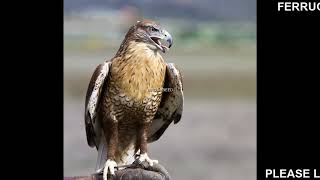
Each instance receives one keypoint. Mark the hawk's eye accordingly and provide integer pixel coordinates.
(153, 29)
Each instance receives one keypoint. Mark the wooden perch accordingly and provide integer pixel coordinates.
(157, 172)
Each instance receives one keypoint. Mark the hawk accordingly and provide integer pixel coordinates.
(132, 98)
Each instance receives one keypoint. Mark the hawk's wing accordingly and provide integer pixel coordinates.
(171, 105)
(93, 130)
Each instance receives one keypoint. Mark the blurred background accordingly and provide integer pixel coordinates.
(214, 46)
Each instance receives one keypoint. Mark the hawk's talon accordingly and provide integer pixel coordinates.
(109, 165)
(144, 157)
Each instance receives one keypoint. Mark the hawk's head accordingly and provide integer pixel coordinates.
(151, 33)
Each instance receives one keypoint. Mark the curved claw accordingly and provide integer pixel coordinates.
(145, 157)
(145, 165)
(109, 165)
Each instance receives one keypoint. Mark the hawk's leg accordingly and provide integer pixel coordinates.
(112, 142)
(142, 143)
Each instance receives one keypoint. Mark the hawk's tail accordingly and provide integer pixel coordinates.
(124, 155)
(102, 151)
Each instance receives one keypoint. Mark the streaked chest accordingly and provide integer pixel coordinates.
(139, 72)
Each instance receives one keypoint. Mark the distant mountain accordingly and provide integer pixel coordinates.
(233, 10)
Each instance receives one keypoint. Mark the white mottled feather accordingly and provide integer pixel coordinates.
(93, 102)
(92, 105)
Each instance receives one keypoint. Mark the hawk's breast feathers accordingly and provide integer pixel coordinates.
(170, 108)
(139, 71)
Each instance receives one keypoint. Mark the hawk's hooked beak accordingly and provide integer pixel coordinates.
(163, 35)
(168, 38)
